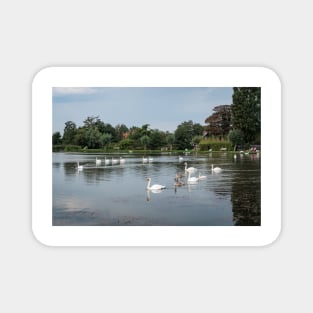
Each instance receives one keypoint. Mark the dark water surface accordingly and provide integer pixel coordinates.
(116, 194)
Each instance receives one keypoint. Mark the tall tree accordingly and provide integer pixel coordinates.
(145, 140)
(56, 138)
(91, 132)
(121, 131)
(219, 123)
(158, 139)
(105, 139)
(183, 135)
(246, 112)
(69, 132)
(170, 139)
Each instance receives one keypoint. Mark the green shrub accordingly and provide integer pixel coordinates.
(58, 148)
(72, 148)
(205, 145)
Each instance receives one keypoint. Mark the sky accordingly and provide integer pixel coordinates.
(164, 108)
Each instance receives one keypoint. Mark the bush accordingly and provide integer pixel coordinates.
(72, 148)
(58, 148)
(206, 145)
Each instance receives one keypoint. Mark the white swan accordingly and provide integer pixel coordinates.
(180, 158)
(150, 159)
(144, 160)
(216, 169)
(79, 167)
(114, 161)
(201, 176)
(98, 162)
(154, 187)
(192, 179)
(106, 161)
(122, 161)
(189, 169)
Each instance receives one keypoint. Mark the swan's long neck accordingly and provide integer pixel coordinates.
(212, 167)
(148, 185)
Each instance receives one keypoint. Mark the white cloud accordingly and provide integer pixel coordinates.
(73, 90)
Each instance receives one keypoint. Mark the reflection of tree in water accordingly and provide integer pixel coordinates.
(246, 200)
(70, 168)
(222, 192)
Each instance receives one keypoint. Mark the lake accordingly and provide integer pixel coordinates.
(116, 195)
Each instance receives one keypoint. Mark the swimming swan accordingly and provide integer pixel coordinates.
(80, 167)
(189, 169)
(216, 169)
(98, 162)
(202, 176)
(192, 179)
(106, 161)
(154, 187)
(114, 161)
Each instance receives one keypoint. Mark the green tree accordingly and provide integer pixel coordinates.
(196, 140)
(197, 129)
(105, 139)
(145, 140)
(69, 132)
(126, 144)
(145, 130)
(236, 138)
(157, 139)
(170, 139)
(246, 112)
(109, 129)
(80, 138)
(121, 130)
(93, 136)
(91, 121)
(183, 135)
(56, 138)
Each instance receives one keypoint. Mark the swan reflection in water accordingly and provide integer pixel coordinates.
(153, 191)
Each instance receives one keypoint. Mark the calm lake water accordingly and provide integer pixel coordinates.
(116, 194)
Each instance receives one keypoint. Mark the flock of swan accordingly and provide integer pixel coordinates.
(190, 179)
(106, 161)
(178, 179)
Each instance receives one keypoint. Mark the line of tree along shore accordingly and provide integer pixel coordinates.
(229, 126)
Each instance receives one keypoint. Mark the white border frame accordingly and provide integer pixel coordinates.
(156, 235)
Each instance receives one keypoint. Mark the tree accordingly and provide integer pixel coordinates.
(80, 138)
(219, 123)
(246, 112)
(157, 139)
(197, 129)
(121, 131)
(91, 121)
(125, 144)
(56, 138)
(170, 139)
(69, 132)
(109, 129)
(236, 138)
(105, 139)
(196, 140)
(145, 141)
(183, 135)
(92, 136)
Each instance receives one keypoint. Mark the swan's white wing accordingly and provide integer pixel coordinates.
(156, 186)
